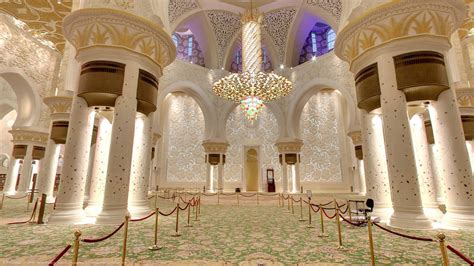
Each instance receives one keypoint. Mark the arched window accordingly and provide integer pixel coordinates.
(190, 45)
(187, 48)
(175, 40)
(320, 41)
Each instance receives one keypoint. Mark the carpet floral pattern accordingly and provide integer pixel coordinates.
(225, 235)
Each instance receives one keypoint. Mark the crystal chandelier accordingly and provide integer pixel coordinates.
(253, 87)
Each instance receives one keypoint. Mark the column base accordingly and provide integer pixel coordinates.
(383, 213)
(409, 219)
(67, 214)
(50, 199)
(459, 217)
(139, 209)
(9, 193)
(112, 215)
(433, 213)
(93, 209)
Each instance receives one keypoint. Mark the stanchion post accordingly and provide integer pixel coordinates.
(177, 221)
(338, 223)
(442, 246)
(156, 199)
(218, 197)
(301, 210)
(309, 214)
(189, 216)
(349, 210)
(257, 197)
(75, 256)
(292, 208)
(279, 198)
(199, 205)
(288, 202)
(1, 203)
(322, 234)
(28, 202)
(371, 241)
(125, 237)
(282, 200)
(238, 197)
(41, 209)
(155, 242)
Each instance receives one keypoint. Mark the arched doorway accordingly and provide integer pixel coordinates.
(251, 169)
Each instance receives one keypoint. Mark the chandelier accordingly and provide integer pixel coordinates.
(253, 87)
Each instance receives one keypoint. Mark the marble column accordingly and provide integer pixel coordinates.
(297, 175)
(99, 167)
(455, 164)
(440, 184)
(141, 161)
(284, 174)
(405, 190)
(375, 164)
(209, 180)
(114, 207)
(12, 176)
(220, 173)
(26, 171)
(424, 169)
(361, 176)
(47, 172)
(70, 196)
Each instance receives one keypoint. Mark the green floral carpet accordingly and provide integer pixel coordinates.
(226, 234)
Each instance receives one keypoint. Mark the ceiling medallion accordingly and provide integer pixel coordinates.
(253, 87)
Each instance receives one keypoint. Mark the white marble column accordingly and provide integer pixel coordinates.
(454, 164)
(424, 169)
(70, 196)
(26, 171)
(361, 176)
(375, 164)
(89, 174)
(405, 190)
(99, 167)
(47, 172)
(297, 175)
(209, 181)
(220, 173)
(470, 151)
(284, 176)
(12, 176)
(114, 208)
(440, 184)
(141, 159)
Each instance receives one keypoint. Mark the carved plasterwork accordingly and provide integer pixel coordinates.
(22, 136)
(43, 17)
(356, 137)
(333, 7)
(225, 25)
(289, 146)
(108, 27)
(467, 28)
(465, 97)
(277, 24)
(215, 147)
(176, 8)
(58, 104)
(395, 20)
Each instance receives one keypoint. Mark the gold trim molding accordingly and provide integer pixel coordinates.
(465, 97)
(23, 136)
(58, 104)
(356, 137)
(215, 147)
(89, 27)
(399, 19)
(289, 146)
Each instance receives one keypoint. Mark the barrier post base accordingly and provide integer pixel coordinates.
(176, 235)
(302, 220)
(310, 226)
(154, 247)
(323, 235)
(188, 225)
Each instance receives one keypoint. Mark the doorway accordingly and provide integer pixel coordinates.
(251, 169)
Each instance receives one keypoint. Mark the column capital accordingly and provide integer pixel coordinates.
(215, 146)
(398, 20)
(289, 145)
(356, 137)
(29, 137)
(59, 107)
(110, 28)
(155, 138)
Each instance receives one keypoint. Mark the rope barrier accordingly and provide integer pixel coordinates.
(22, 197)
(168, 214)
(325, 204)
(343, 212)
(228, 194)
(351, 223)
(403, 235)
(143, 218)
(312, 207)
(90, 240)
(248, 196)
(60, 255)
(460, 255)
(187, 205)
(209, 194)
(329, 217)
(296, 201)
(33, 212)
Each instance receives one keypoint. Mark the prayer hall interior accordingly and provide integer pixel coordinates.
(236, 132)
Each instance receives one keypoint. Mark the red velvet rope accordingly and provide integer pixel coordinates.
(228, 194)
(285, 198)
(462, 256)
(329, 217)
(168, 214)
(60, 255)
(269, 195)
(143, 218)
(296, 200)
(307, 202)
(312, 207)
(187, 205)
(325, 204)
(89, 240)
(209, 194)
(351, 223)
(248, 196)
(31, 217)
(343, 212)
(152, 196)
(22, 197)
(161, 197)
(403, 235)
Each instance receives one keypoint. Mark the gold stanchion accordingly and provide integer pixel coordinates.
(309, 214)
(288, 203)
(322, 234)
(218, 193)
(292, 208)
(177, 221)
(349, 210)
(279, 199)
(301, 210)
(189, 217)
(257, 198)
(371, 240)
(1, 203)
(156, 199)
(155, 245)
(75, 256)
(442, 246)
(238, 198)
(125, 237)
(338, 224)
(282, 200)
(28, 202)
(199, 205)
